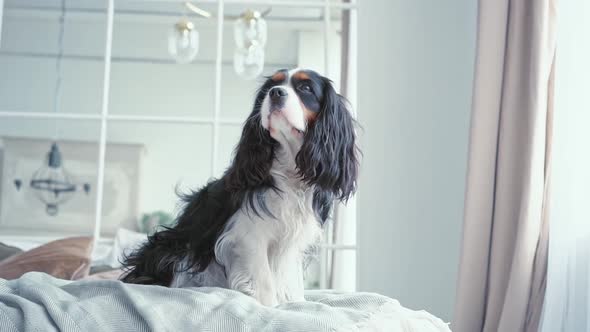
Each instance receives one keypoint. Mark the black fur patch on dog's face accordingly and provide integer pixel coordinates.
(309, 87)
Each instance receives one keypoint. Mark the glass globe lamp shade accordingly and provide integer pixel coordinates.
(250, 29)
(51, 183)
(249, 62)
(183, 42)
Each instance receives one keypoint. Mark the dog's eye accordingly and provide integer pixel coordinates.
(304, 87)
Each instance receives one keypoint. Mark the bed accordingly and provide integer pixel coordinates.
(39, 302)
(70, 297)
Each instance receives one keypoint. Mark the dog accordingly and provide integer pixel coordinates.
(251, 229)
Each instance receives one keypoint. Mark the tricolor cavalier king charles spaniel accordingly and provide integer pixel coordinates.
(251, 229)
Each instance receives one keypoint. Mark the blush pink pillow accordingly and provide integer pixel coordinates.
(68, 258)
(107, 275)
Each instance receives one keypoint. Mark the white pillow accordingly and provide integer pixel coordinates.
(125, 242)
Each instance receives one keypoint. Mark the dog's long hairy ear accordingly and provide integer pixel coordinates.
(253, 155)
(328, 158)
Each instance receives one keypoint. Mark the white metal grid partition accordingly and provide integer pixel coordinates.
(104, 118)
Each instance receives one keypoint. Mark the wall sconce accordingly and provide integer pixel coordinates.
(183, 38)
(250, 33)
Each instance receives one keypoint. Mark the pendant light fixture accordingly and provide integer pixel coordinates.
(183, 38)
(250, 33)
(183, 41)
(52, 183)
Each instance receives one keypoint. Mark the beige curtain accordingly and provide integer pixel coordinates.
(504, 252)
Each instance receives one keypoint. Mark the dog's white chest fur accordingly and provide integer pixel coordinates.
(260, 255)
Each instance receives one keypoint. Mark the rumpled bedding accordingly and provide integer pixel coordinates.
(39, 302)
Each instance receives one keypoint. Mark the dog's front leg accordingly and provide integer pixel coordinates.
(289, 279)
(247, 269)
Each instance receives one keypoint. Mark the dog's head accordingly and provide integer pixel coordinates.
(299, 111)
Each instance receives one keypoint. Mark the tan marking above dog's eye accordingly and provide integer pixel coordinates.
(301, 75)
(278, 76)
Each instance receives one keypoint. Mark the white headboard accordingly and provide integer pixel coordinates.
(22, 213)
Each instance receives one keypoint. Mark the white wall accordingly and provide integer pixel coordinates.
(415, 71)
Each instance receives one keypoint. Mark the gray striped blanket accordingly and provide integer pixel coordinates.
(39, 302)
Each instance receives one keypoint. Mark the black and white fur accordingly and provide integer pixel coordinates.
(249, 230)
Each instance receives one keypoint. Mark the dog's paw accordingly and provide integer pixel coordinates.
(246, 287)
(267, 298)
(262, 291)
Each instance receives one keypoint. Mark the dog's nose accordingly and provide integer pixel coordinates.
(277, 94)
